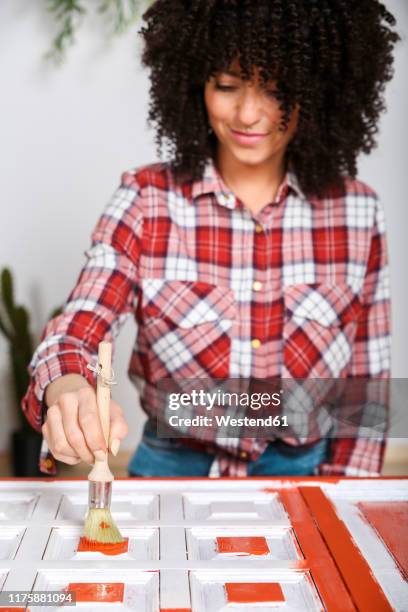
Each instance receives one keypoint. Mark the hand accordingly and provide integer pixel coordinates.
(72, 428)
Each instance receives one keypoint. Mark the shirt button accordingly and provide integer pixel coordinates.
(258, 228)
(226, 199)
(256, 343)
(257, 286)
(243, 454)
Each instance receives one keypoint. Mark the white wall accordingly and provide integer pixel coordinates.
(67, 133)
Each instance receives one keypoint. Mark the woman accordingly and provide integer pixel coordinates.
(253, 252)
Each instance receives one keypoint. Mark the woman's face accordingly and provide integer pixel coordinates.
(246, 117)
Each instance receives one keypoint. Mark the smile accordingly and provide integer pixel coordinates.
(246, 138)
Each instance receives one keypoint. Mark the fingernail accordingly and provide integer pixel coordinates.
(115, 446)
(100, 455)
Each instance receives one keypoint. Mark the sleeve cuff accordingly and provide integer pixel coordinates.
(33, 403)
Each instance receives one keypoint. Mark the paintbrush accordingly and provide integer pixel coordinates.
(99, 526)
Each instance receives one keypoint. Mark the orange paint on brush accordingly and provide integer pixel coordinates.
(106, 592)
(13, 609)
(175, 609)
(390, 520)
(254, 592)
(107, 548)
(104, 525)
(244, 545)
(364, 588)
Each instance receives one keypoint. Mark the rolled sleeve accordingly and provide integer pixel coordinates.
(101, 301)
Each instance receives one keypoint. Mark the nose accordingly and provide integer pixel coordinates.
(249, 107)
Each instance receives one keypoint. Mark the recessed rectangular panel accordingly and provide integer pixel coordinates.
(16, 506)
(233, 544)
(234, 506)
(143, 544)
(104, 588)
(124, 507)
(10, 538)
(352, 501)
(216, 591)
(390, 521)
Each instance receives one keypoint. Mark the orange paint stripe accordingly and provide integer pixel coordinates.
(247, 545)
(108, 592)
(254, 592)
(390, 520)
(319, 561)
(357, 575)
(118, 548)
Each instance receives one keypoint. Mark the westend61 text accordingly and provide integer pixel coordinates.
(228, 421)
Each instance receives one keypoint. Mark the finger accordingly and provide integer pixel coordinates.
(118, 429)
(57, 441)
(72, 430)
(88, 419)
(67, 459)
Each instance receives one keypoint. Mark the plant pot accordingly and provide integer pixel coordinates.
(26, 445)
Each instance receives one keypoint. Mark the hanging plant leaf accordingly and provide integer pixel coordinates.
(69, 15)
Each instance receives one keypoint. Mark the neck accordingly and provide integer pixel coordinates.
(264, 177)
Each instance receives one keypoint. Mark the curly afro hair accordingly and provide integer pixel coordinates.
(332, 57)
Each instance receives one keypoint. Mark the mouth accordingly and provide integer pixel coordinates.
(246, 138)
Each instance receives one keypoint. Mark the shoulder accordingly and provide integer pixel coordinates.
(357, 202)
(364, 204)
(354, 187)
(351, 188)
(157, 176)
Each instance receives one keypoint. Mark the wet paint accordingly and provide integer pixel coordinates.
(242, 545)
(320, 563)
(390, 521)
(106, 592)
(104, 525)
(254, 592)
(106, 548)
(175, 609)
(364, 588)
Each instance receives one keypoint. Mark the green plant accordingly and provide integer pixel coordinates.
(15, 327)
(69, 14)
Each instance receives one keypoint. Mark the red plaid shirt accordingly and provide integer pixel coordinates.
(299, 289)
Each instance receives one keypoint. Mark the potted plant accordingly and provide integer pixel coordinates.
(15, 327)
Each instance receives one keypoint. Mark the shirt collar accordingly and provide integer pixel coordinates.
(212, 182)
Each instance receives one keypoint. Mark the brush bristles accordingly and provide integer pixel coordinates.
(100, 527)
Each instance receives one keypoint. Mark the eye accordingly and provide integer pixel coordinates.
(222, 87)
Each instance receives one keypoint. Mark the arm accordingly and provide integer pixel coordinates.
(101, 300)
(370, 359)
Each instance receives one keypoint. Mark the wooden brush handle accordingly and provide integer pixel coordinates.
(100, 471)
(103, 391)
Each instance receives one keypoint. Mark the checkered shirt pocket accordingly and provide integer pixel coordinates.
(187, 327)
(319, 329)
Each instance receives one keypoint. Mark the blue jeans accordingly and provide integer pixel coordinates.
(166, 457)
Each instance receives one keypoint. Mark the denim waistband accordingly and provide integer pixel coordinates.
(150, 433)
